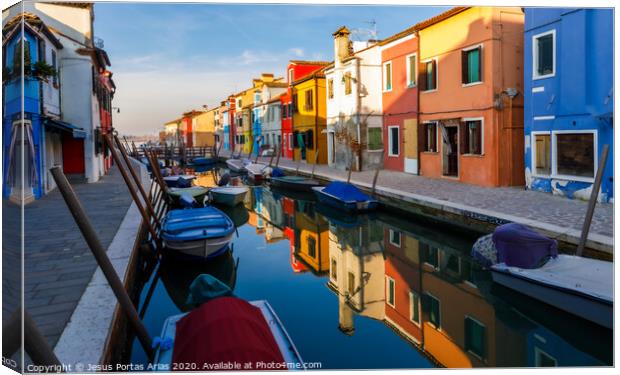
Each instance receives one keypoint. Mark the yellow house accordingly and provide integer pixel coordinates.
(171, 130)
(312, 248)
(204, 128)
(309, 118)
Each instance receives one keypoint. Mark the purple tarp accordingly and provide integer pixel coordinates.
(520, 246)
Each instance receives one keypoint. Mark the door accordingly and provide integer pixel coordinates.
(410, 137)
(450, 151)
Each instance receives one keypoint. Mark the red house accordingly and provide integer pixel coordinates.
(295, 70)
(399, 58)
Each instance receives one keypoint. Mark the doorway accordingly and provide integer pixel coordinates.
(450, 150)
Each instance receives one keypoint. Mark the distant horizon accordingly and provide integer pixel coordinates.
(213, 50)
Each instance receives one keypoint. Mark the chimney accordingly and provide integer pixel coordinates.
(341, 45)
(266, 77)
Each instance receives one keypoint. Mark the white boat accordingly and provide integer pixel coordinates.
(163, 355)
(228, 195)
(257, 171)
(580, 286)
(237, 165)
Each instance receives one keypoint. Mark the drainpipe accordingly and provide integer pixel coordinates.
(359, 110)
(316, 122)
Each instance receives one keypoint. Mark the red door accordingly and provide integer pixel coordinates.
(72, 155)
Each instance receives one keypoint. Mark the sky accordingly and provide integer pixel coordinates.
(171, 58)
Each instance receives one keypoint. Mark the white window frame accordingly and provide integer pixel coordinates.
(436, 123)
(290, 75)
(385, 65)
(408, 83)
(533, 135)
(419, 307)
(436, 74)
(554, 150)
(400, 238)
(535, 74)
(387, 291)
(467, 49)
(390, 140)
(481, 119)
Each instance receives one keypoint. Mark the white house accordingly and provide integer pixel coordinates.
(354, 109)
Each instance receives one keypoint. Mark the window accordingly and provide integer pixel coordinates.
(412, 70)
(290, 76)
(428, 77)
(393, 141)
(544, 55)
(290, 109)
(434, 311)
(312, 247)
(309, 140)
(295, 108)
(574, 154)
(41, 51)
(351, 283)
(347, 83)
(543, 359)
(391, 292)
(471, 137)
(541, 154)
(387, 76)
(55, 66)
(395, 237)
(429, 137)
(375, 139)
(308, 104)
(330, 88)
(430, 255)
(471, 65)
(475, 337)
(414, 307)
(284, 111)
(334, 269)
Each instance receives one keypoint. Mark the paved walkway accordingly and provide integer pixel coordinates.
(58, 262)
(549, 212)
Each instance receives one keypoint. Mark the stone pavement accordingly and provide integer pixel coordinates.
(551, 214)
(58, 262)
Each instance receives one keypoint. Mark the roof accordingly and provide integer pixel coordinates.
(319, 73)
(342, 31)
(34, 23)
(440, 17)
(276, 84)
(275, 99)
(308, 62)
(175, 121)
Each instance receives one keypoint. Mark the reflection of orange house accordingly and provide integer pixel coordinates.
(471, 122)
(295, 264)
(312, 233)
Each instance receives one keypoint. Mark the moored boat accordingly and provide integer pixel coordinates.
(198, 193)
(295, 183)
(257, 171)
(181, 181)
(237, 165)
(345, 196)
(529, 263)
(228, 195)
(200, 232)
(204, 161)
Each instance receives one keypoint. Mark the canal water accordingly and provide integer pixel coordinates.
(375, 291)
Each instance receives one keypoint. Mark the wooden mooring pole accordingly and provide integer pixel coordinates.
(90, 235)
(279, 152)
(592, 202)
(316, 159)
(374, 181)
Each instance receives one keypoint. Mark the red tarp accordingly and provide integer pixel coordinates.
(226, 330)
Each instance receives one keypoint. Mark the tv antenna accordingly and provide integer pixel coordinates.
(365, 34)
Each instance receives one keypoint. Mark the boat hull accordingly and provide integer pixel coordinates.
(236, 165)
(204, 248)
(227, 199)
(305, 184)
(348, 206)
(585, 306)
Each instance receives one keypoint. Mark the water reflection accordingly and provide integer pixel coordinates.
(401, 292)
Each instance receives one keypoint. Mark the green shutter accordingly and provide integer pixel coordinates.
(374, 139)
(473, 66)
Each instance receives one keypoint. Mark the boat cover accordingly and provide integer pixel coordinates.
(206, 287)
(520, 246)
(225, 330)
(277, 172)
(196, 224)
(345, 192)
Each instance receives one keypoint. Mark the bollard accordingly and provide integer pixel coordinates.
(88, 231)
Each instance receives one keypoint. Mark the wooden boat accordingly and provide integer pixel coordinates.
(237, 165)
(228, 195)
(198, 193)
(345, 196)
(529, 263)
(183, 180)
(190, 337)
(199, 232)
(298, 183)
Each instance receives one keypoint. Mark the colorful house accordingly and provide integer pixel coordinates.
(354, 114)
(172, 132)
(295, 70)
(399, 60)
(309, 122)
(471, 96)
(232, 126)
(203, 126)
(186, 128)
(568, 100)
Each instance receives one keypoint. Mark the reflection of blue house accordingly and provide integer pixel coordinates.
(568, 99)
(226, 127)
(546, 349)
(256, 123)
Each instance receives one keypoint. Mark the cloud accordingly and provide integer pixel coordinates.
(299, 52)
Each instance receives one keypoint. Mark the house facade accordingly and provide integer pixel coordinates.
(399, 64)
(471, 101)
(568, 102)
(309, 122)
(354, 100)
(203, 125)
(272, 123)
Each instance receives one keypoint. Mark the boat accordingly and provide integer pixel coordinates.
(224, 330)
(183, 180)
(527, 262)
(237, 165)
(204, 161)
(198, 193)
(257, 171)
(228, 195)
(345, 196)
(298, 183)
(200, 232)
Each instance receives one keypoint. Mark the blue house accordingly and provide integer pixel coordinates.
(257, 124)
(568, 100)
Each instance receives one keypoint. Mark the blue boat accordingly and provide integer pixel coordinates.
(200, 232)
(203, 161)
(345, 196)
(179, 181)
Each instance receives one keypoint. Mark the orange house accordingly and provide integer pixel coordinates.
(470, 82)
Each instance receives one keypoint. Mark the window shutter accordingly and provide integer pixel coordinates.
(463, 138)
(464, 67)
(422, 137)
(434, 65)
(422, 77)
(42, 50)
